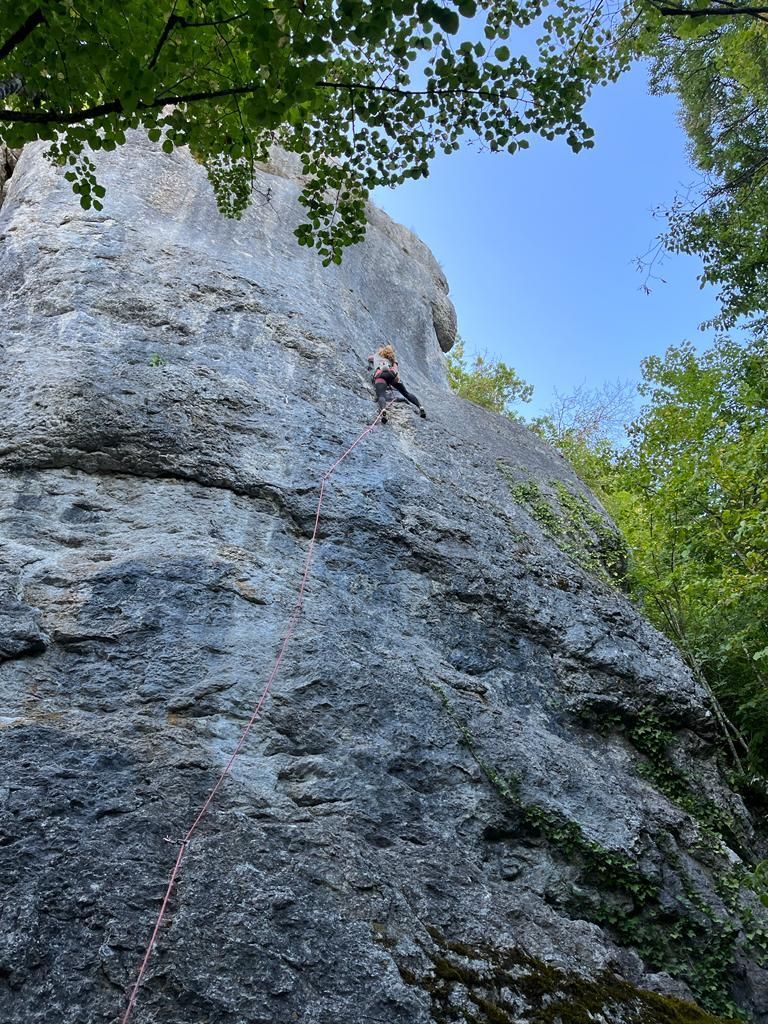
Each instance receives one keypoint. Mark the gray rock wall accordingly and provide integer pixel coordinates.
(457, 805)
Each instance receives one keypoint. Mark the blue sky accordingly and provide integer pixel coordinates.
(538, 247)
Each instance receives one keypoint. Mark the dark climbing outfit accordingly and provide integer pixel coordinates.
(388, 377)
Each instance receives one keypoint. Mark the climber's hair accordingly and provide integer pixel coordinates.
(388, 353)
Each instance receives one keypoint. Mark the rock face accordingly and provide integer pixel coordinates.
(483, 789)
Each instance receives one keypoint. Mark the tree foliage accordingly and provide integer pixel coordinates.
(487, 382)
(718, 69)
(367, 92)
(699, 523)
(586, 426)
(689, 492)
(687, 483)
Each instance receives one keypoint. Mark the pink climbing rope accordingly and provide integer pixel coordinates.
(292, 622)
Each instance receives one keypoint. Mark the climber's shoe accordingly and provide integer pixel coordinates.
(423, 413)
(384, 417)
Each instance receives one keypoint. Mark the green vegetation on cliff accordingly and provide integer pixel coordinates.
(689, 493)
(662, 914)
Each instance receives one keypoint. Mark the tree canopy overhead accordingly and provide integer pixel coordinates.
(366, 91)
(717, 66)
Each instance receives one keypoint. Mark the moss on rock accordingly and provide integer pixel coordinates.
(482, 984)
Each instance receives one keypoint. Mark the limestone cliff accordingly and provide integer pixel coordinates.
(484, 790)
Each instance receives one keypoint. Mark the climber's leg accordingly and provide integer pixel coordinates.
(399, 386)
(380, 387)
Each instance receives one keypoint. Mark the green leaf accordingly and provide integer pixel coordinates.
(447, 20)
(297, 74)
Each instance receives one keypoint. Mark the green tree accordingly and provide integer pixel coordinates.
(687, 486)
(588, 426)
(365, 91)
(693, 507)
(486, 382)
(718, 69)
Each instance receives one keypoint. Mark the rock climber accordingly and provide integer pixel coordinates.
(386, 375)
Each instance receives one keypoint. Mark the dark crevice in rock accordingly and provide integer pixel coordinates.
(30, 649)
(8, 160)
(20, 634)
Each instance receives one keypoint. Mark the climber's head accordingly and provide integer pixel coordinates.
(388, 353)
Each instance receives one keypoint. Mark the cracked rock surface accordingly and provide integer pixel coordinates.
(439, 812)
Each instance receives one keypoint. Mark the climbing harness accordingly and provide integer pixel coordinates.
(388, 374)
(292, 623)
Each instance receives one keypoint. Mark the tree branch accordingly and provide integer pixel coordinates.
(412, 92)
(173, 19)
(725, 11)
(742, 178)
(63, 117)
(183, 23)
(36, 18)
(176, 21)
